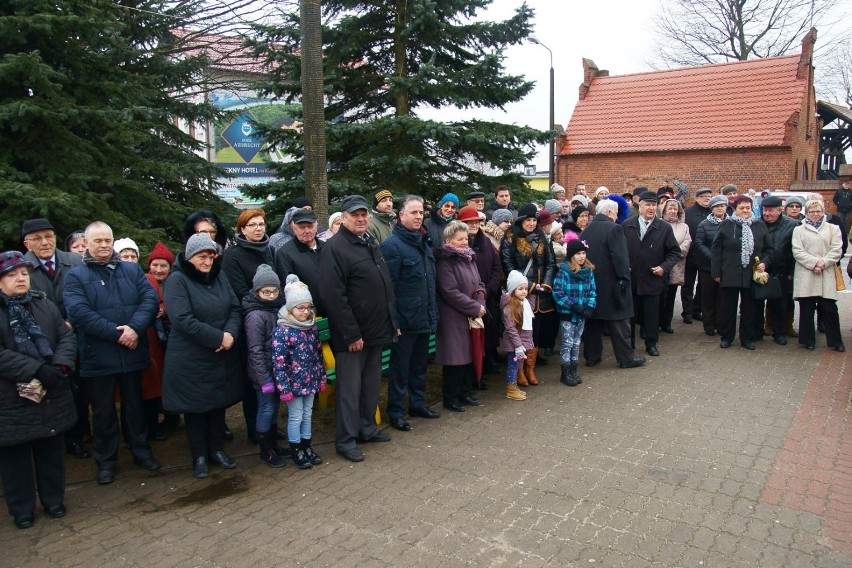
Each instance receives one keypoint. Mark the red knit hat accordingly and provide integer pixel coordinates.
(161, 252)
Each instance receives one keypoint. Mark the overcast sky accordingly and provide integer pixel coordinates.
(615, 34)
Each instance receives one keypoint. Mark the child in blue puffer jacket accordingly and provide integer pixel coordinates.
(575, 297)
(298, 367)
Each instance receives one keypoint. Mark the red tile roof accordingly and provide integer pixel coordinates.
(729, 105)
(225, 52)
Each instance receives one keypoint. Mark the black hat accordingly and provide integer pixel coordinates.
(648, 196)
(303, 216)
(573, 247)
(577, 211)
(526, 210)
(352, 203)
(33, 225)
(771, 201)
(302, 202)
(474, 195)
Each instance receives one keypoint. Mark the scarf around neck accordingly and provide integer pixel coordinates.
(26, 333)
(286, 319)
(815, 224)
(111, 263)
(747, 242)
(715, 220)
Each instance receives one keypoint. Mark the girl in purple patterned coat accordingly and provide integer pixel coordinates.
(298, 367)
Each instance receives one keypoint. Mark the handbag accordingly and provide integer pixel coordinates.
(838, 278)
(769, 291)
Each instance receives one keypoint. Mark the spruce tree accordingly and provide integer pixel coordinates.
(384, 63)
(90, 94)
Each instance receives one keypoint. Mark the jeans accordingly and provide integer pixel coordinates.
(267, 410)
(572, 333)
(299, 412)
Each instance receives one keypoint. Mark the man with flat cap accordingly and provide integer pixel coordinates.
(357, 291)
(382, 217)
(476, 199)
(48, 276)
(731, 192)
(780, 238)
(653, 251)
(691, 302)
(300, 256)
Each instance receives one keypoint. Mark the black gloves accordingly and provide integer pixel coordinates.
(49, 376)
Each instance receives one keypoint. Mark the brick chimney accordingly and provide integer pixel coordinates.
(806, 58)
(590, 71)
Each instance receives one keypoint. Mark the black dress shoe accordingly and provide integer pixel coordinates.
(593, 362)
(653, 351)
(455, 407)
(470, 401)
(780, 339)
(199, 468)
(400, 424)
(148, 463)
(378, 437)
(724, 344)
(667, 329)
(748, 345)
(56, 511)
(424, 412)
(634, 362)
(840, 348)
(809, 346)
(687, 320)
(24, 521)
(106, 476)
(77, 450)
(353, 455)
(223, 459)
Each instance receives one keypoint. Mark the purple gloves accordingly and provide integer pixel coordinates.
(268, 388)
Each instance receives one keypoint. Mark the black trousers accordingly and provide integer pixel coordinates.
(778, 308)
(25, 467)
(710, 297)
(726, 319)
(81, 404)
(457, 383)
(409, 358)
(206, 431)
(545, 329)
(619, 335)
(667, 302)
(647, 315)
(101, 392)
(691, 302)
(827, 310)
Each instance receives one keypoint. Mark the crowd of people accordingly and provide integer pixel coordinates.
(225, 320)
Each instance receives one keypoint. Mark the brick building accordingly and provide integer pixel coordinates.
(752, 123)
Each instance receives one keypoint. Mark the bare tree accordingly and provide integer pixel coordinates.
(836, 76)
(698, 32)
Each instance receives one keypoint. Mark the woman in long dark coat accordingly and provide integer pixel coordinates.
(704, 235)
(525, 248)
(35, 343)
(203, 375)
(457, 284)
(740, 239)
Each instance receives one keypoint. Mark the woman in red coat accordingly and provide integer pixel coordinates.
(457, 284)
(160, 263)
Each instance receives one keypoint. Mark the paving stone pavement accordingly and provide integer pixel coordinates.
(702, 458)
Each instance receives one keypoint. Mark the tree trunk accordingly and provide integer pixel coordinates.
(313, 108)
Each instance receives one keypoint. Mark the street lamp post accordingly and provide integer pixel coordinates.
(551, 164)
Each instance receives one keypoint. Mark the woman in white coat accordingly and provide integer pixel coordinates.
(817, 247)
(673, 214)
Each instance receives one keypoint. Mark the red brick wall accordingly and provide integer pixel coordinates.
(758, 168)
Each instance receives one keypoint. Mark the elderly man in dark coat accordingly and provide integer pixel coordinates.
(408, 254)
(51, 265)
(691, 302)
(780, 237)
(111, 305)
(358, 294)
(608, 252)
(653, 251)
(300, 255)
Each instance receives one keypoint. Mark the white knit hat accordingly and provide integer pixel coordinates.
(125, 243)
(296, 293)
(514, 280)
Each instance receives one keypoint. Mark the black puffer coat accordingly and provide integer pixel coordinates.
(516, 250)
(201, 307)
(22, 420)
(240, 262)
(703, 243)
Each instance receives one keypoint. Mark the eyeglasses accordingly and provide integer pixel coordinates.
(303, 308)
(812, 211)
(269, 293)
(211, 232)
(254, 226)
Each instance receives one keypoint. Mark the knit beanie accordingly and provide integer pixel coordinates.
(501, 215)
(556, 188)
(296, 293)
(449, 197)
(199, 242)
(717, 200)
(577, 211)
(265, 277)
(582, 199)
(601, 189)
(795, 199)
(161, 252)
(381, 195)
(573, 247)
(125, 243)
(301, 202)
(514, 280)
(526, 211)
(554, 207)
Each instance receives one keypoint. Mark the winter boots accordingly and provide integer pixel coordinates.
(570, 377)
(299, 457)
(522, 376)
(514, 393)
(309, 452)
(529, 366)
(268, 455)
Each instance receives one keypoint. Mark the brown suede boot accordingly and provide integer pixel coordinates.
(529, 366)
(522, 376)
(790, 331)
(514, 393)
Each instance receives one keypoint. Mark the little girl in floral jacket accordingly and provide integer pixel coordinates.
(298, 367)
